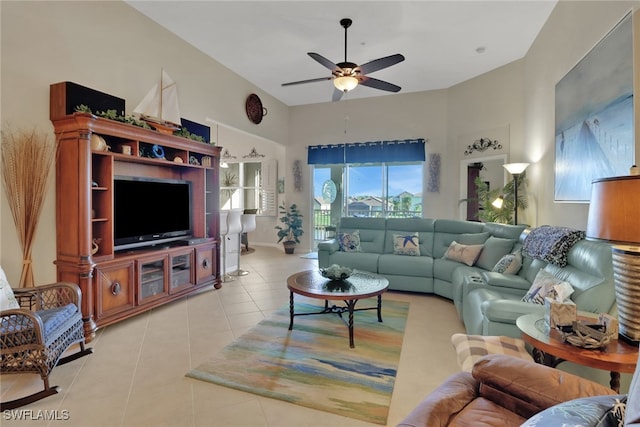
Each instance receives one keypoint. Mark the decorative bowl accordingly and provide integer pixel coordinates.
(336, 272)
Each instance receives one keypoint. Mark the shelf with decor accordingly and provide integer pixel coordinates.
(119, 280)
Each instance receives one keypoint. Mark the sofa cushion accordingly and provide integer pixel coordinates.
(494, 249)
(372, 232)
(54, 317)
(541, 386)
(349, 242)
(547, 285)
(466, 254)
(7, 298)
(406, 244)
(596, 411)
(470, 348)
(447, 230)
(360, 260)
(509, 264)
(422, 226)
(402, 265)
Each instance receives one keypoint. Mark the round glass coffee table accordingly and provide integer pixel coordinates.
(360, 285)
(550, 349)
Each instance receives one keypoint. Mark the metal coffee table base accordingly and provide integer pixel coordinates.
(348, 308)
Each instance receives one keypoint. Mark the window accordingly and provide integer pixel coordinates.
(384, 190)
(249, 185)
(373, 179)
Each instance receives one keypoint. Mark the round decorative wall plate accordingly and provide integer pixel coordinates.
(329, 191)
(255, 110)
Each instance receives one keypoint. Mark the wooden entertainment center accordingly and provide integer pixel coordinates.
(119, 284)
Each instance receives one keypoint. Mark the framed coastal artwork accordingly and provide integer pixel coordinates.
(594, 116)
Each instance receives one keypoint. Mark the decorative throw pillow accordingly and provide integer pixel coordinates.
(472, 238)
(470, 348)
(599, 411)
(7, 299)
(349, 242)
(546, 285)
(467, 254)
(509, 264)
(406, 244)
(494, 249)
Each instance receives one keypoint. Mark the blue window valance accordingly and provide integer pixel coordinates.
(406, 150)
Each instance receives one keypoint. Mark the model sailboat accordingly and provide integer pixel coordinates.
(159, 108)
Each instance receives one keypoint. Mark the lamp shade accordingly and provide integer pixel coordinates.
(515, 168)
(345, 83)
(614, 211)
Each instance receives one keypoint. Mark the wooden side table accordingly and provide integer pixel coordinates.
(550, 350)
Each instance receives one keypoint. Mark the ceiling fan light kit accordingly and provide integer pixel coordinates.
(345, 83)
(347, 75)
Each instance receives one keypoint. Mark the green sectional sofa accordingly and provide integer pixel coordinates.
(487, 302)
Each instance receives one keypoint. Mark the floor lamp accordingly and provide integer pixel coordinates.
(614, 216)
(515, 169)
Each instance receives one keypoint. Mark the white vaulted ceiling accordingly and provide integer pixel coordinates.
(266, 42)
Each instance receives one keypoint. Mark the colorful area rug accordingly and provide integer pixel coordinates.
(312, 365)
(310, 255)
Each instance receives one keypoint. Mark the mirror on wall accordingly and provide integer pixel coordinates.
(490, 170)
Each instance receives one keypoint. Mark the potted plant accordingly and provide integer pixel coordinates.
(504, 215)
(291, 230)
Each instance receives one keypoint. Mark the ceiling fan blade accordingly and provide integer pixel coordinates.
(380, 63)
(322, 60)
(378, 84)
(337, 95)
(319, 79)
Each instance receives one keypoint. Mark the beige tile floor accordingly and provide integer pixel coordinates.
(135, 377)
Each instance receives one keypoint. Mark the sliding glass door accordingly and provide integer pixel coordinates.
(377, 190)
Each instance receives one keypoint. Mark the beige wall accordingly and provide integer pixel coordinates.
(111, 47)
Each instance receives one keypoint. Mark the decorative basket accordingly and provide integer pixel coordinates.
(585, 335)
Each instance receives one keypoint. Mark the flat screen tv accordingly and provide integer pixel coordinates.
(150, 211)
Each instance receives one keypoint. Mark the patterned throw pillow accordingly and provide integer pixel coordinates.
(7, 299)
(470, 348)
(546, 285)
(406, 244)
(467, 254)
(349, 242)
(601, 411)
(509, 264)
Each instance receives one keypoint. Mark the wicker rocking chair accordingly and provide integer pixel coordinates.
(34, 336)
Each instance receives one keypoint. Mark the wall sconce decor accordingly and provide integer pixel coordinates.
(252, 154)
(227, 155)
(482, 144)
(297, 176)
(433, 186)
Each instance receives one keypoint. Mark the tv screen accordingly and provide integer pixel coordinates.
(150, 211)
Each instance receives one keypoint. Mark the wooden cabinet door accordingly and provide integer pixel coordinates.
(206, 263)
(115, 288)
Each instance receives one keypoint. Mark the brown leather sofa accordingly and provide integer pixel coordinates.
(506, 391)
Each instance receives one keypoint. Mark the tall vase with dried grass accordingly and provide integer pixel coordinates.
(27, 160)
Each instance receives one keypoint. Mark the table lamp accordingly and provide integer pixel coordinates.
(614, 216)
